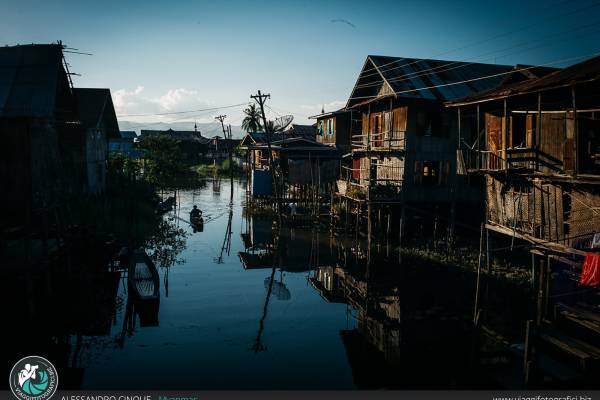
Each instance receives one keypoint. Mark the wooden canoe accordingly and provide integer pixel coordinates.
(143, 278)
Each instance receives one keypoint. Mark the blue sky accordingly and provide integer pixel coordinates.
(159, 56)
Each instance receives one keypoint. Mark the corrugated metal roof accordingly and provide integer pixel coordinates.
(29, 75)
(403, 75)
(329, 114)
(586, 71)
(307, 131)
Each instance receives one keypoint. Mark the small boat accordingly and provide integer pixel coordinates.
(143, 277)
(166, 206)
(196, 220)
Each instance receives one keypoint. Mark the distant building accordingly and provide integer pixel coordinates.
(123, 144)
(218, 147)
(99, 120)
(334, 129)
(300, 160)
(193, 146)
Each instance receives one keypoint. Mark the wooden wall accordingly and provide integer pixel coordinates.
(562, 213)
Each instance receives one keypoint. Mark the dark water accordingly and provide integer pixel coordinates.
(326, 321)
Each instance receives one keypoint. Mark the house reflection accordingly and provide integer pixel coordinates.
(402, 331)
(293, 250)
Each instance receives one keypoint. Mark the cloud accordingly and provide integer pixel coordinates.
(130, 103)
(174, 99)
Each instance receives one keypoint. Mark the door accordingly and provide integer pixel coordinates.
(494, 132)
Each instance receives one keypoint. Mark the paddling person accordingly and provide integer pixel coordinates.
(195, 213)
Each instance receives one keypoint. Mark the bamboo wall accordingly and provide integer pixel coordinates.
(561, 213)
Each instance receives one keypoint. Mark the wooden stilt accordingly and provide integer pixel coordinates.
(478, 284)
(527, 354)
(540, 298)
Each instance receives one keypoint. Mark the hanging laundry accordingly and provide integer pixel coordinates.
(590, 274)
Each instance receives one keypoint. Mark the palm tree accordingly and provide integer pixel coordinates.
(251, 122)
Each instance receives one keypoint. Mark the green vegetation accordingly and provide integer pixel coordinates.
(355, 192)
(251, 122)
(162, 163)
(385, 190)
(213, 169)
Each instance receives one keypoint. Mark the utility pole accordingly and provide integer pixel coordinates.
(227, 137)
(260, 99)
(220, 118)
(230, 165)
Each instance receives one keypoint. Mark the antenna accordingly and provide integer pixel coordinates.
(282, 122)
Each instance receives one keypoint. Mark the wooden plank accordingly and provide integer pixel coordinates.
(539, 242)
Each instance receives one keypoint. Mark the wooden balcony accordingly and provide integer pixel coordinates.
(388, 141)
(515, 159)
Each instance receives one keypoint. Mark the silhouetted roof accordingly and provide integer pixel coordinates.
(586, 71)
(128, 134)
(307, 131)
(30, 76)
(191, 136)
(330, 113)
(95, 106)
(400, 77)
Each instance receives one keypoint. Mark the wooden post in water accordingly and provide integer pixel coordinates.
(547, 286)
(540, 297)
(389, 225)
(528, 353)
(435, 224)
(401, 231)
(347, 214)
(478, 284)
(488, 266)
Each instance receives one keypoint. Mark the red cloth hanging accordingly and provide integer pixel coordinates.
(590, 274)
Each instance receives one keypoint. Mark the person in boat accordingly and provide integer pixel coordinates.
(195, 213)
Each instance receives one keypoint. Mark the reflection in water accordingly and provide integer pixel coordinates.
(307, 297)
(226, 246)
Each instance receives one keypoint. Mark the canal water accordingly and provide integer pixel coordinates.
(321, 319)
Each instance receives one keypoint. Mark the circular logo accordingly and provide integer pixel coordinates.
(33, 377)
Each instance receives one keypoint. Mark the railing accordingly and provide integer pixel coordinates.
(386, 186)
(384, 141)
(472, 160)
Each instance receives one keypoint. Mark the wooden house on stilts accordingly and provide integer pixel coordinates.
(537, 145)
(404, 140)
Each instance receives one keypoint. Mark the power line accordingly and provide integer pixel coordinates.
(481, 77)
(461, 64)
(181, 112)
(379, 69)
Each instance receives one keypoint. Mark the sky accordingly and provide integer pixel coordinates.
(170, 56)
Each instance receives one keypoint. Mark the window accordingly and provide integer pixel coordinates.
(518, 134)
(356, 169)
(321, 128)
(431, 172)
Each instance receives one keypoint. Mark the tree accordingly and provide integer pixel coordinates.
(162, 160)
(251, 122)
